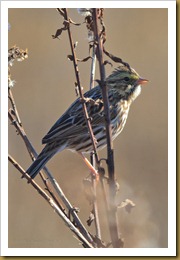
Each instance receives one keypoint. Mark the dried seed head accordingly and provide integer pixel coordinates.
(85, 11)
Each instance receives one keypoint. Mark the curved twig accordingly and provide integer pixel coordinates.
(54, 183)
(51, 202)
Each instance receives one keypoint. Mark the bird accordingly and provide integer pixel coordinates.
(70, 131)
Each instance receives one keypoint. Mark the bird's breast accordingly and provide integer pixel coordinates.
(119, 120)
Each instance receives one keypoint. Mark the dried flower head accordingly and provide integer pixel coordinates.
(15, 53)
(11, 82)
(85, 11)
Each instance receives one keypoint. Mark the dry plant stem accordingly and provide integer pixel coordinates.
(18, 125)
(78, 222)
(22, 133)
(95, 204)
(93, 67)
(32, 152)
(11, 98)
(93, 160)
(56, 186)
(87, 119)
(112, 214)
(51, 203)
(85, 111)
(54, 183)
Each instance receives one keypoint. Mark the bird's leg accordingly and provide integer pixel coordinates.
(89, 165)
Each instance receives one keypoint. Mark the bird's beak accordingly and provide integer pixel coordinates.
(141, 81)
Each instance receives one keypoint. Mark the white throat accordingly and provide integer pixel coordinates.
(136, 93)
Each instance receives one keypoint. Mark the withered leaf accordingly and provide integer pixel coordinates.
(90, 219)
(127, 204)
(108, 62)
(116, 59)
(85, 59)
(70, 57)
(58, 32)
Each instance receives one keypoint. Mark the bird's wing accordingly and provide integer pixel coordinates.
(72, 122)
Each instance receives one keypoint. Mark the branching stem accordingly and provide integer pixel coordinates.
(51, 203)
(33, 154)
(80, 90)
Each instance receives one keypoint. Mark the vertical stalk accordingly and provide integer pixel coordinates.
(95, 205)
(93, 67)
(112, 211)
(92, 156)
(87, 119)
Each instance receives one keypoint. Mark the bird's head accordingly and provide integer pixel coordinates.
(125, 82)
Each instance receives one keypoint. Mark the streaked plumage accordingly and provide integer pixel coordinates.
(71, 132)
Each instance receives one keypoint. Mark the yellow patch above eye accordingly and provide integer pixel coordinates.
(135, 77)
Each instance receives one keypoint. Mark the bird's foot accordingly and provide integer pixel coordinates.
(94, 172)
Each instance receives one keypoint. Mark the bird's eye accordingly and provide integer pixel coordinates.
(126, 79)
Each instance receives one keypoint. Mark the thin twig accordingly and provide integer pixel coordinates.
(11, 98)
(54, 183)
(74, 59)
(112, 216)
(87, 119)
(20, 130)
(93, 161)
(51, 203)
(95, 204)
(31, 150)
(93, 66)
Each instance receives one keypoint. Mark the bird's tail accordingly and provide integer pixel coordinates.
(40, 161)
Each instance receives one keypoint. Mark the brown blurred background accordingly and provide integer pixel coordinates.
(45, 88)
